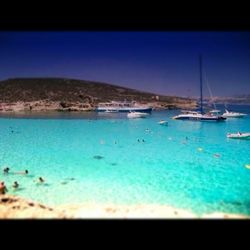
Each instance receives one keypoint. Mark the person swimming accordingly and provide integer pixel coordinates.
(3, 188)
(22, 172)
(6, 170)
(15, 185)
(41, 180)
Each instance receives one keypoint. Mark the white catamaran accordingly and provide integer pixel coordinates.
(200, 116)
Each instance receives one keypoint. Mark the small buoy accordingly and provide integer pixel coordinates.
(200, 149)
(247, 166)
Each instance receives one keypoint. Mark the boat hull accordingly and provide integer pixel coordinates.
(200, 118)
(137, 115)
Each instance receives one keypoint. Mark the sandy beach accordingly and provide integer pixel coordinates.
(13, 207)
(148, 211)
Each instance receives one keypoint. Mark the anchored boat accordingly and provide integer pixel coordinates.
(230, 114)
(200, 116)
(122, 107)
(239, 136)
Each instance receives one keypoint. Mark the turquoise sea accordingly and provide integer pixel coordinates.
(97, 158)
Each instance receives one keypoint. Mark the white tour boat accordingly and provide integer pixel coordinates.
(123, 107)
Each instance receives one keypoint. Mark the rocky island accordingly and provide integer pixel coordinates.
(61, 94)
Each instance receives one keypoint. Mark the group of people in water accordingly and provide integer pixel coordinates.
(3, 188)
(6, 171)
(140, 140)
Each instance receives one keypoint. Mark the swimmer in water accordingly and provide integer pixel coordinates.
(15, 185)
(41, 180)
(6, 170)
(22, 172)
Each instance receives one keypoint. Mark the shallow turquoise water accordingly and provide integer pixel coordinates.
(167, 168)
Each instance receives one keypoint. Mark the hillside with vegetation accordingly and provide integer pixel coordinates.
(75, 95)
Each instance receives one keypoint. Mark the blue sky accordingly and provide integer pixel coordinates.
(161, 62)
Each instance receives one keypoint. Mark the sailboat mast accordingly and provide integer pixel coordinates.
(201, 97)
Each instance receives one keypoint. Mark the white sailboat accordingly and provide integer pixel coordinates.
(200, 116)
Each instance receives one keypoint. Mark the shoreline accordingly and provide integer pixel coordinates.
(56, 106)
(13, 207)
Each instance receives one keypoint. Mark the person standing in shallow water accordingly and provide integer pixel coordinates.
(3, 188)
